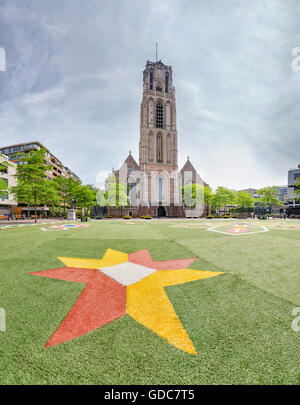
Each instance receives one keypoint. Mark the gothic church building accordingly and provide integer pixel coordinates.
(158, 146)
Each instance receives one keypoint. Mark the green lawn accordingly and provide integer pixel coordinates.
(239, 322)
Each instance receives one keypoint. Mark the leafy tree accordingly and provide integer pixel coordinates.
(193, 195)
(31, 176)
(66, 189)
(50, 196)
(223, 197)
(85, 197)
(269, 196)
(23, 194)
(4, 164)
(196, 194)
(297, 189)
(116, 194)
(208, 195)
(92, 198)
(244, 200)
(3, 187)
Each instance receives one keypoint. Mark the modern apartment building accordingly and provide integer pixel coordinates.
(17, 151)
(7, 203)
(293, 175)
(14, 154)
(252, 192)
(283, 194)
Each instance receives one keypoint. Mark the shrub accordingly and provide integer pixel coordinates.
(126, 217)
(147, 217)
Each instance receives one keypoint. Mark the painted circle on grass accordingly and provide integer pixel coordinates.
(237, 230)
(63, 227)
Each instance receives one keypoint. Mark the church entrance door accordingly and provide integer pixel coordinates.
(161, 211)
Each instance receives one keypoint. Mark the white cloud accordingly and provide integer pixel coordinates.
(74, 82)
(44, 96)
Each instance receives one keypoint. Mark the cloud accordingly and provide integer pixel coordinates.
(43, 96)
(73, 80)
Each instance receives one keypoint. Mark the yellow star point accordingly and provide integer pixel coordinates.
(110, 258)
(148, 304)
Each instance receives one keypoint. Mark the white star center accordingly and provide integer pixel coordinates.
(127, 273)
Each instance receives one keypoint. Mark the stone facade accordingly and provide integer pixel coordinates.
(158, 153)
(158, 132)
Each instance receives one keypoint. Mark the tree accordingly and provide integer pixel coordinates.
(31, 177)
(269, 196)
(193, 195)
(244, 200)
(23, 194)
(223, 197)
(85, 197)
(208, 197)
(4, 164)
(297, 189)
(66, 189)
(116, 193)
(3, 187)
(50, 195)
(196, 195)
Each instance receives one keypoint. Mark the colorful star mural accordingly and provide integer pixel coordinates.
(120, 284)
(63, 227)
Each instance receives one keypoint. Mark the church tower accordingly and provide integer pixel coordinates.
(158, 133)
(155, 181)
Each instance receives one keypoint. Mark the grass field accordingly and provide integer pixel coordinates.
(239, 322)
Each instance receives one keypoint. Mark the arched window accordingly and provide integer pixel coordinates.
(167, 82)
(131, 191)
(151, 79)
(130, 184)
(150, 146)
(129, 169)
(160, 189)
(169, 148)
(159, 115)
(159, 148)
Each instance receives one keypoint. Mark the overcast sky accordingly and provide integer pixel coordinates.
(73, 81)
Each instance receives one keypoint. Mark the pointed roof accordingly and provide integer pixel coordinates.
(188, 167)
(128, 162)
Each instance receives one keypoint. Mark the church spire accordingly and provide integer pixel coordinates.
(158, 133)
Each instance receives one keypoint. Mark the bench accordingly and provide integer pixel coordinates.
(4, 217)
(18, 216)
(34, 216)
